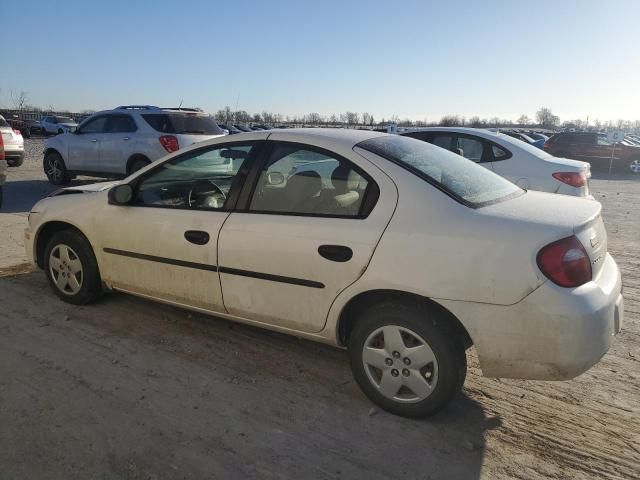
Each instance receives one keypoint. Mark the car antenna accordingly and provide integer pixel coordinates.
(179, 106)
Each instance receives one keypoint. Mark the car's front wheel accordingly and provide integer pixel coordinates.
(406, 359)
(71, 268)
(634, 166)
(55, 169)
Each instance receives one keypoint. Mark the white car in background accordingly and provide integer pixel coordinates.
(55, 124)
(518, 161)
(13, 144)
(118, 142)
(402, 252)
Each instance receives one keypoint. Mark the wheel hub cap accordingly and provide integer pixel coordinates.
(400, 364)
(635, 166)
(66, 269)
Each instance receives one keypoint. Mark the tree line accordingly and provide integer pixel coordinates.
(543, 118)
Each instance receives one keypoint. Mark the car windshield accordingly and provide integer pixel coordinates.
(183, 123)
(463, 179)
(64, 120)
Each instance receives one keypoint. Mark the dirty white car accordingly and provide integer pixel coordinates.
(400, 251)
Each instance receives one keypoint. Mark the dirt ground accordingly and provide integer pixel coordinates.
(127, 389)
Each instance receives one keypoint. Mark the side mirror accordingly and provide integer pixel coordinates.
(120, 194)
(275, 178)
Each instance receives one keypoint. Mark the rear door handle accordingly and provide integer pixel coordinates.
(197, 236)
(335, 253)
(94, 140)
(125, 138)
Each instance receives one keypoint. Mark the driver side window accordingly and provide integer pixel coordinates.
(200, 180)
(97, 125)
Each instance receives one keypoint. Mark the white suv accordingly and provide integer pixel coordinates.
(117, 142)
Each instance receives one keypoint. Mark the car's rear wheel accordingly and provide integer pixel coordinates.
(55, 169)
(634, 166)
(15, 162)
(406, 359)
(136, 164)
(26, 132)
(71, 268)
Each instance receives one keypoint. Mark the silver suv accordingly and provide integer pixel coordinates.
(116, 143)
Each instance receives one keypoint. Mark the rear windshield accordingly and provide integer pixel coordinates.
(463, 179)
(181, 123)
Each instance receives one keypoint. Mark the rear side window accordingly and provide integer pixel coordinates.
(462, 179)
(121, 124)
(183, 123)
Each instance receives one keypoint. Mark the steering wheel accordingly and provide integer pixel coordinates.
(205, 193)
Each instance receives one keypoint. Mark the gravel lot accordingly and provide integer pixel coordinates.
(129, 389)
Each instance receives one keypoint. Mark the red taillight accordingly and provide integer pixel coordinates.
(17, 132)
(1, 148)
(565, 262)
(169, 142)
(575, 179)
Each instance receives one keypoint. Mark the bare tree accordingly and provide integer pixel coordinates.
(450, 121)
(367, 118)
(523, 120)
(19, 99)
(314, 118)
(546, 118)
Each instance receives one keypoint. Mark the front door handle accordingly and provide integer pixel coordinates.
(197, 236)
(335, 253)
(94, 140)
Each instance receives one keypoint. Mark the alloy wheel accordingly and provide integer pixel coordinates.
(634, 166)
(65, 268)
(54, 170)
(400, 364)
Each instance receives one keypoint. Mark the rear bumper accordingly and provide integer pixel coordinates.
(553, 334)
(13, 155)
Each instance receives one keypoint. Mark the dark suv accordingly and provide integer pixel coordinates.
(596, 149)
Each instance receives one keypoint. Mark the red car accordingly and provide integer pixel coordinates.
(596, 149)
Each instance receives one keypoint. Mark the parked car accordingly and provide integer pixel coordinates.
(3, 170)
(399, 251)
(232, 130)
(13, 144)
(258, 126)
(20, 125)
(54, 125)
(116, 143)
(35, 128)
(596, 149)
(523, 164)
(538, 143)
(243, 128)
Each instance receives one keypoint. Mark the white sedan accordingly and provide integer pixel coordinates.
(518, 161)
(400, 251)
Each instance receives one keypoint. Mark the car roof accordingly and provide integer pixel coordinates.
(347, 137)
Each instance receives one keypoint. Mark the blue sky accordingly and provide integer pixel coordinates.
(415, 59)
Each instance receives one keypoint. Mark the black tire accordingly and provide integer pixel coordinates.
(89, 280)
(634, 166)
(26, 132)
(55, 169)
(449, 368)
(15, 163)
(136, 164)
(60, 131)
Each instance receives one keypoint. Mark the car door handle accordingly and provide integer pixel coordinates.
(197, 236)
(335, 253)
(125, 139)
(94, 140)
